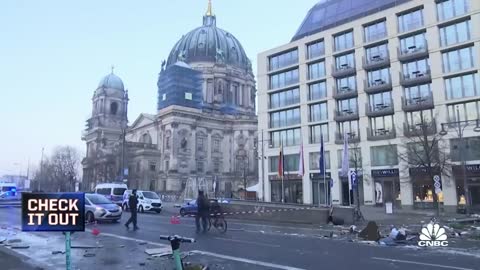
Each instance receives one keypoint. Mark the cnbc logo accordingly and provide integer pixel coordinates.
(433, 236)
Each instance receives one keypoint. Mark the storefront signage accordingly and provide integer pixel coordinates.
(421, 171)
(470, 170)
(473, 169)
(385, 173)
(316, 176)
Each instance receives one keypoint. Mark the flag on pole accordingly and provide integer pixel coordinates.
(345, 157)
(321, 161)
(301, 165)
(280, 161)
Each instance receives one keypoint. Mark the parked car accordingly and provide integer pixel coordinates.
(8, 190)
(97, 207)
(191, 208)
(112, 191)
(147, 201)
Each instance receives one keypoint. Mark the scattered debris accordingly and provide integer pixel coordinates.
(122, 246)
(95, 231)
(87, 247)
(142, 243)
(141, 264)
(19, 246)
(11, 241)
(57, 252)
(155, 251)
(368, 242)
(353, 229)
(370, 232)
(89, 255)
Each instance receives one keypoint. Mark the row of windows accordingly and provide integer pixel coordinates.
(285, 118)
(285, 98)
(458, 60)
(385, 155)
(283, 60)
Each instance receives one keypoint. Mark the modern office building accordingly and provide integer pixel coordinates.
(388, 73)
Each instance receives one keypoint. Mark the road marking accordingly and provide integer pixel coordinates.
(247, 242)
(226, 257)
(420, 263)
(131, 239)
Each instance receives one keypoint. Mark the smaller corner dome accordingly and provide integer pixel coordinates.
(111, 81)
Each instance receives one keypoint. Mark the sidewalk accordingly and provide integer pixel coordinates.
(14, 261)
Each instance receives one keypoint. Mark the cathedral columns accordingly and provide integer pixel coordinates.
(209, 150)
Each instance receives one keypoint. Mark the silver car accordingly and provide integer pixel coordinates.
(97, 207)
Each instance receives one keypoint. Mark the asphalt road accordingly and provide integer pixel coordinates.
(277, 247)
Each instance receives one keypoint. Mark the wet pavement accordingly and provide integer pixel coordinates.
(244, 246)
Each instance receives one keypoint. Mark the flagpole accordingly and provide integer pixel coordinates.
(324, 174)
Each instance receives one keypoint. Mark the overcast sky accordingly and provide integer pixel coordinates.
(54, 53)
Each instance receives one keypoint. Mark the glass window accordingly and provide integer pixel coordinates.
(416, 68)
(463, 86)
(347, 105)
(317, 90)
(200, 144)
(377, 53)
(413, 43)
(318, 112)
(283, 60)
(355, 156)
(284, 79)
(345, 61)
(350, 127)
(200, 166)
(316, 49)
(344, 41)
(317, 131)
(288, 137)
(458, 60)
(292, 191)
(378, 77)
(384, 155)
(466, 149)
(375, 31)
(346, 84)
(316, 70)
(381, 124)
(455, 33)
(466, 111)
(418, 92)
(410, 21)
(451, 8)
(380, 101)
(216, 145)
(285, 118)
(414, 119)
(290, 163)
(188, 96)
(284, 98)
(315, 160)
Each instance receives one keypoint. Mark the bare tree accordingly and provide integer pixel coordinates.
(424, 151)
(355, 156)
(60, 171)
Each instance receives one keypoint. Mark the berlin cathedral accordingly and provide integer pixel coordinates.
(205, 125)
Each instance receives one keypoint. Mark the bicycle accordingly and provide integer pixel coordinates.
(175, 241)
(219, 222)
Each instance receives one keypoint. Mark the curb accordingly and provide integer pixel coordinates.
(25, 259)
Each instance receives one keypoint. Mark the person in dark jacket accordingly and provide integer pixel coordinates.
(203, 211)
(133, 205)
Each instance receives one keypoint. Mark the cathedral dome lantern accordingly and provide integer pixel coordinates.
(111, 81)
(209, 43)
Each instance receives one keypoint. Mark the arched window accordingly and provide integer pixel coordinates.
(113, 108)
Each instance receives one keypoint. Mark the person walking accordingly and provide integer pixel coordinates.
(202, 212)
(133, 205)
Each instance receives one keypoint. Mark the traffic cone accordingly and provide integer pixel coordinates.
(174, 220)
(95, 231)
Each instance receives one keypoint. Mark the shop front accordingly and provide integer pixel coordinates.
(387, 187)
(348, 193)
(321, 188)
(472, 174)
(423, 189)
(292, 188)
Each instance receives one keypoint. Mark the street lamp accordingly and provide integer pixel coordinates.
(460, 126)
(262, 157)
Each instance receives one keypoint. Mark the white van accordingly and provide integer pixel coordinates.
(147, 201)
(113, 191)
(8, 190)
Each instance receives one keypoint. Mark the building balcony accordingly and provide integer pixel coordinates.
(376, 61)
(415, 78)
(380, 134)
(346, 115)
(343, 71)
(417, 103)
(344, 92)
(379, 109)
(353, 137)
(418, 130)
(413, 52)
(376, 86)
